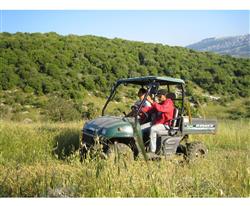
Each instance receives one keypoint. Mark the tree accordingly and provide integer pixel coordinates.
(8, 77)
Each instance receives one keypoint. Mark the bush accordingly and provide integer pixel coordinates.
(90, 111)
(5, 112)
(59, 109)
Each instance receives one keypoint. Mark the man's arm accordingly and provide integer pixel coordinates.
(161, 107)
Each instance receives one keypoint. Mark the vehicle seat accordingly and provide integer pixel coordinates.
(174, 121)
(173, 128)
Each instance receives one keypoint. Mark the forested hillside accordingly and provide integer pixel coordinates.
(49, 63)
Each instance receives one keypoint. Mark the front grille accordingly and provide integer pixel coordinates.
(90, 140)
(90, 132)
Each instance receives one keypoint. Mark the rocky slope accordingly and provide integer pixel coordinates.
(237, 46)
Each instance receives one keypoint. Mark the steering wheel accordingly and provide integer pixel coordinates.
(135, 109)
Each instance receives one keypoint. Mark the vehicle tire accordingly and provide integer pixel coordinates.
(195, 150)
(120, 151)
(181, 149)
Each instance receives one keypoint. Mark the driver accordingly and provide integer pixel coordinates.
(141, 93)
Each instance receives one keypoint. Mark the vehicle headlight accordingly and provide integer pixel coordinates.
(104, 130)
(126, 129)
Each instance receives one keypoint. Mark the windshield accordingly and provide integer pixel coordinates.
(127, 96)
(122, 100)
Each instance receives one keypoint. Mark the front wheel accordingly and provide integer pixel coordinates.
(119, 151)
(196, 150)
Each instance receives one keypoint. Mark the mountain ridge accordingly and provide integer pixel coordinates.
(236, 46)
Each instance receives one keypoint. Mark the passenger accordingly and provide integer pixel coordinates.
(164, 113)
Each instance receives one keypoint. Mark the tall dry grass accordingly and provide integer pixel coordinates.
(41, 159)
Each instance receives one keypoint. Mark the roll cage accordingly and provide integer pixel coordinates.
(152, 83)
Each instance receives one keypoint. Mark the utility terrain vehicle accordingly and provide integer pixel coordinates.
(121, 133)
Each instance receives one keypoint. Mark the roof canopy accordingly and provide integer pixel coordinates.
(149, 79)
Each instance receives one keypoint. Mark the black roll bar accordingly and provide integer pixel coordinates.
(110, 97)
(154, 84)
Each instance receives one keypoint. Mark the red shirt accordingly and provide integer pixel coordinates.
(165, 111)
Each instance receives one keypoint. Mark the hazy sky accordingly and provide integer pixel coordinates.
(168, 27)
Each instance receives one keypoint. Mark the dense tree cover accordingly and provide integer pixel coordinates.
(68, 65)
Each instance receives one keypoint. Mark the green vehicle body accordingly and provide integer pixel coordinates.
(111, 129)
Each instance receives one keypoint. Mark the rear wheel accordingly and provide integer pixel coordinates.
(181, 149)
(196, 150)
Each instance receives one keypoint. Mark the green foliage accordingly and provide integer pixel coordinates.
(8, 77)
(90, 111)
(43, 63)
(67, 66)
(59, 109)
(5, 112)
(66, 143)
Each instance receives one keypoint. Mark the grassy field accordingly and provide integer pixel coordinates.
(38, 160)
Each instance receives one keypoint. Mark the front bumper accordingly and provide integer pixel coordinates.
(92, 141)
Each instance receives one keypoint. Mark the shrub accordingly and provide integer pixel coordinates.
(90, 111)
(59, 109)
